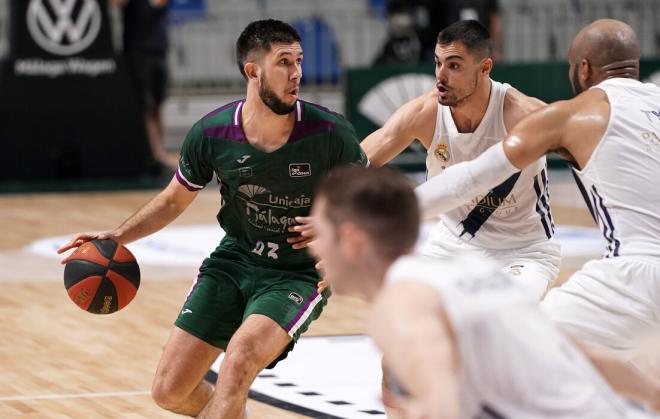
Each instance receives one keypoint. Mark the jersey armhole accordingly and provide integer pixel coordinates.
(605, 133)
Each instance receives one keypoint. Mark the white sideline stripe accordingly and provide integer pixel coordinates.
(76, 395)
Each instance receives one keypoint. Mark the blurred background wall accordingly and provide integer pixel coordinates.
(343, 39)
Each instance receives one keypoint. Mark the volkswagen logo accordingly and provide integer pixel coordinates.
(64, 27)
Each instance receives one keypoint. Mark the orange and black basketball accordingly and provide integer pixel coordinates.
(101, 276)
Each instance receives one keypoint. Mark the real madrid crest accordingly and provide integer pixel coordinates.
(442, 152)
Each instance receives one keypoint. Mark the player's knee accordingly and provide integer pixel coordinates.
(241, 363)
(166, 394)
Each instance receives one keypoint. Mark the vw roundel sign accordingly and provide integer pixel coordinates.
(64, 27)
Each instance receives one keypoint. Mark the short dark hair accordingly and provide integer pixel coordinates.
(470, 33)
(259, 36)
(380, 201)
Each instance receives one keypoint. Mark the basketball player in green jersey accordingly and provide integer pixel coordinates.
(257, 292)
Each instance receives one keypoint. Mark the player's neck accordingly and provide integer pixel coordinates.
(372, 278)
(264, 129)
(468, 113)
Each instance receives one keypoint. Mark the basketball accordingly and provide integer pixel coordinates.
(101, 276)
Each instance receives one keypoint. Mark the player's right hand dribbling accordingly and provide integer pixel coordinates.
(81, 238)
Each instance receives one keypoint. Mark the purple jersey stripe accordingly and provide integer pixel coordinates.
(222, 108)
(191, 187)
(227, 132)
(302, 311)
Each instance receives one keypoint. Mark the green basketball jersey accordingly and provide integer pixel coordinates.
(263, 192)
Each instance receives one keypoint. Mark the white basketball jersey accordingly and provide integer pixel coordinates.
(620, 180)
(514, 363)
(513, 214)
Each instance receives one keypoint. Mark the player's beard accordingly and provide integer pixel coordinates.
(575, 82)
(455, 101)
(269, 97)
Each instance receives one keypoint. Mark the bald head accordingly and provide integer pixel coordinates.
(609, 48)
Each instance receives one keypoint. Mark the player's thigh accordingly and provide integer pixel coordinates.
(215, 306)
(290, 299)
(184, 362)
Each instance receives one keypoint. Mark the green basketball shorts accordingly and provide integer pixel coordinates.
(231, 286)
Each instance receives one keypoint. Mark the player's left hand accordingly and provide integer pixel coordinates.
(306, 230)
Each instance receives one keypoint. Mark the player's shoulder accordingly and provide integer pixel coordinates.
(221, 123)
(517, 101)
(313, 112)
(317, 119)
(518, 105)
(589, 108)
(587, 112)
(416, 118)
(422, 106)
(588, 103)
(225, 115)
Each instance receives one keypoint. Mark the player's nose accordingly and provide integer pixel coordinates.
(296, 74)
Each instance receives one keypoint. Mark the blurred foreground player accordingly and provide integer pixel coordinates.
(462, 337)
(610, 133)
(256, 293)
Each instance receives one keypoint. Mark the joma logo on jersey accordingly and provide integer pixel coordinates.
(300, 169)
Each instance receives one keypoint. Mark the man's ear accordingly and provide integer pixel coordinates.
(251, 71)
(487, 66)
(351, 240)
(585, 72)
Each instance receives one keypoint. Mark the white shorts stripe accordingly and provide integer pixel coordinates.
(305, 315)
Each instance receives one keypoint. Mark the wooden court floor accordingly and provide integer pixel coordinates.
(57, 361)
